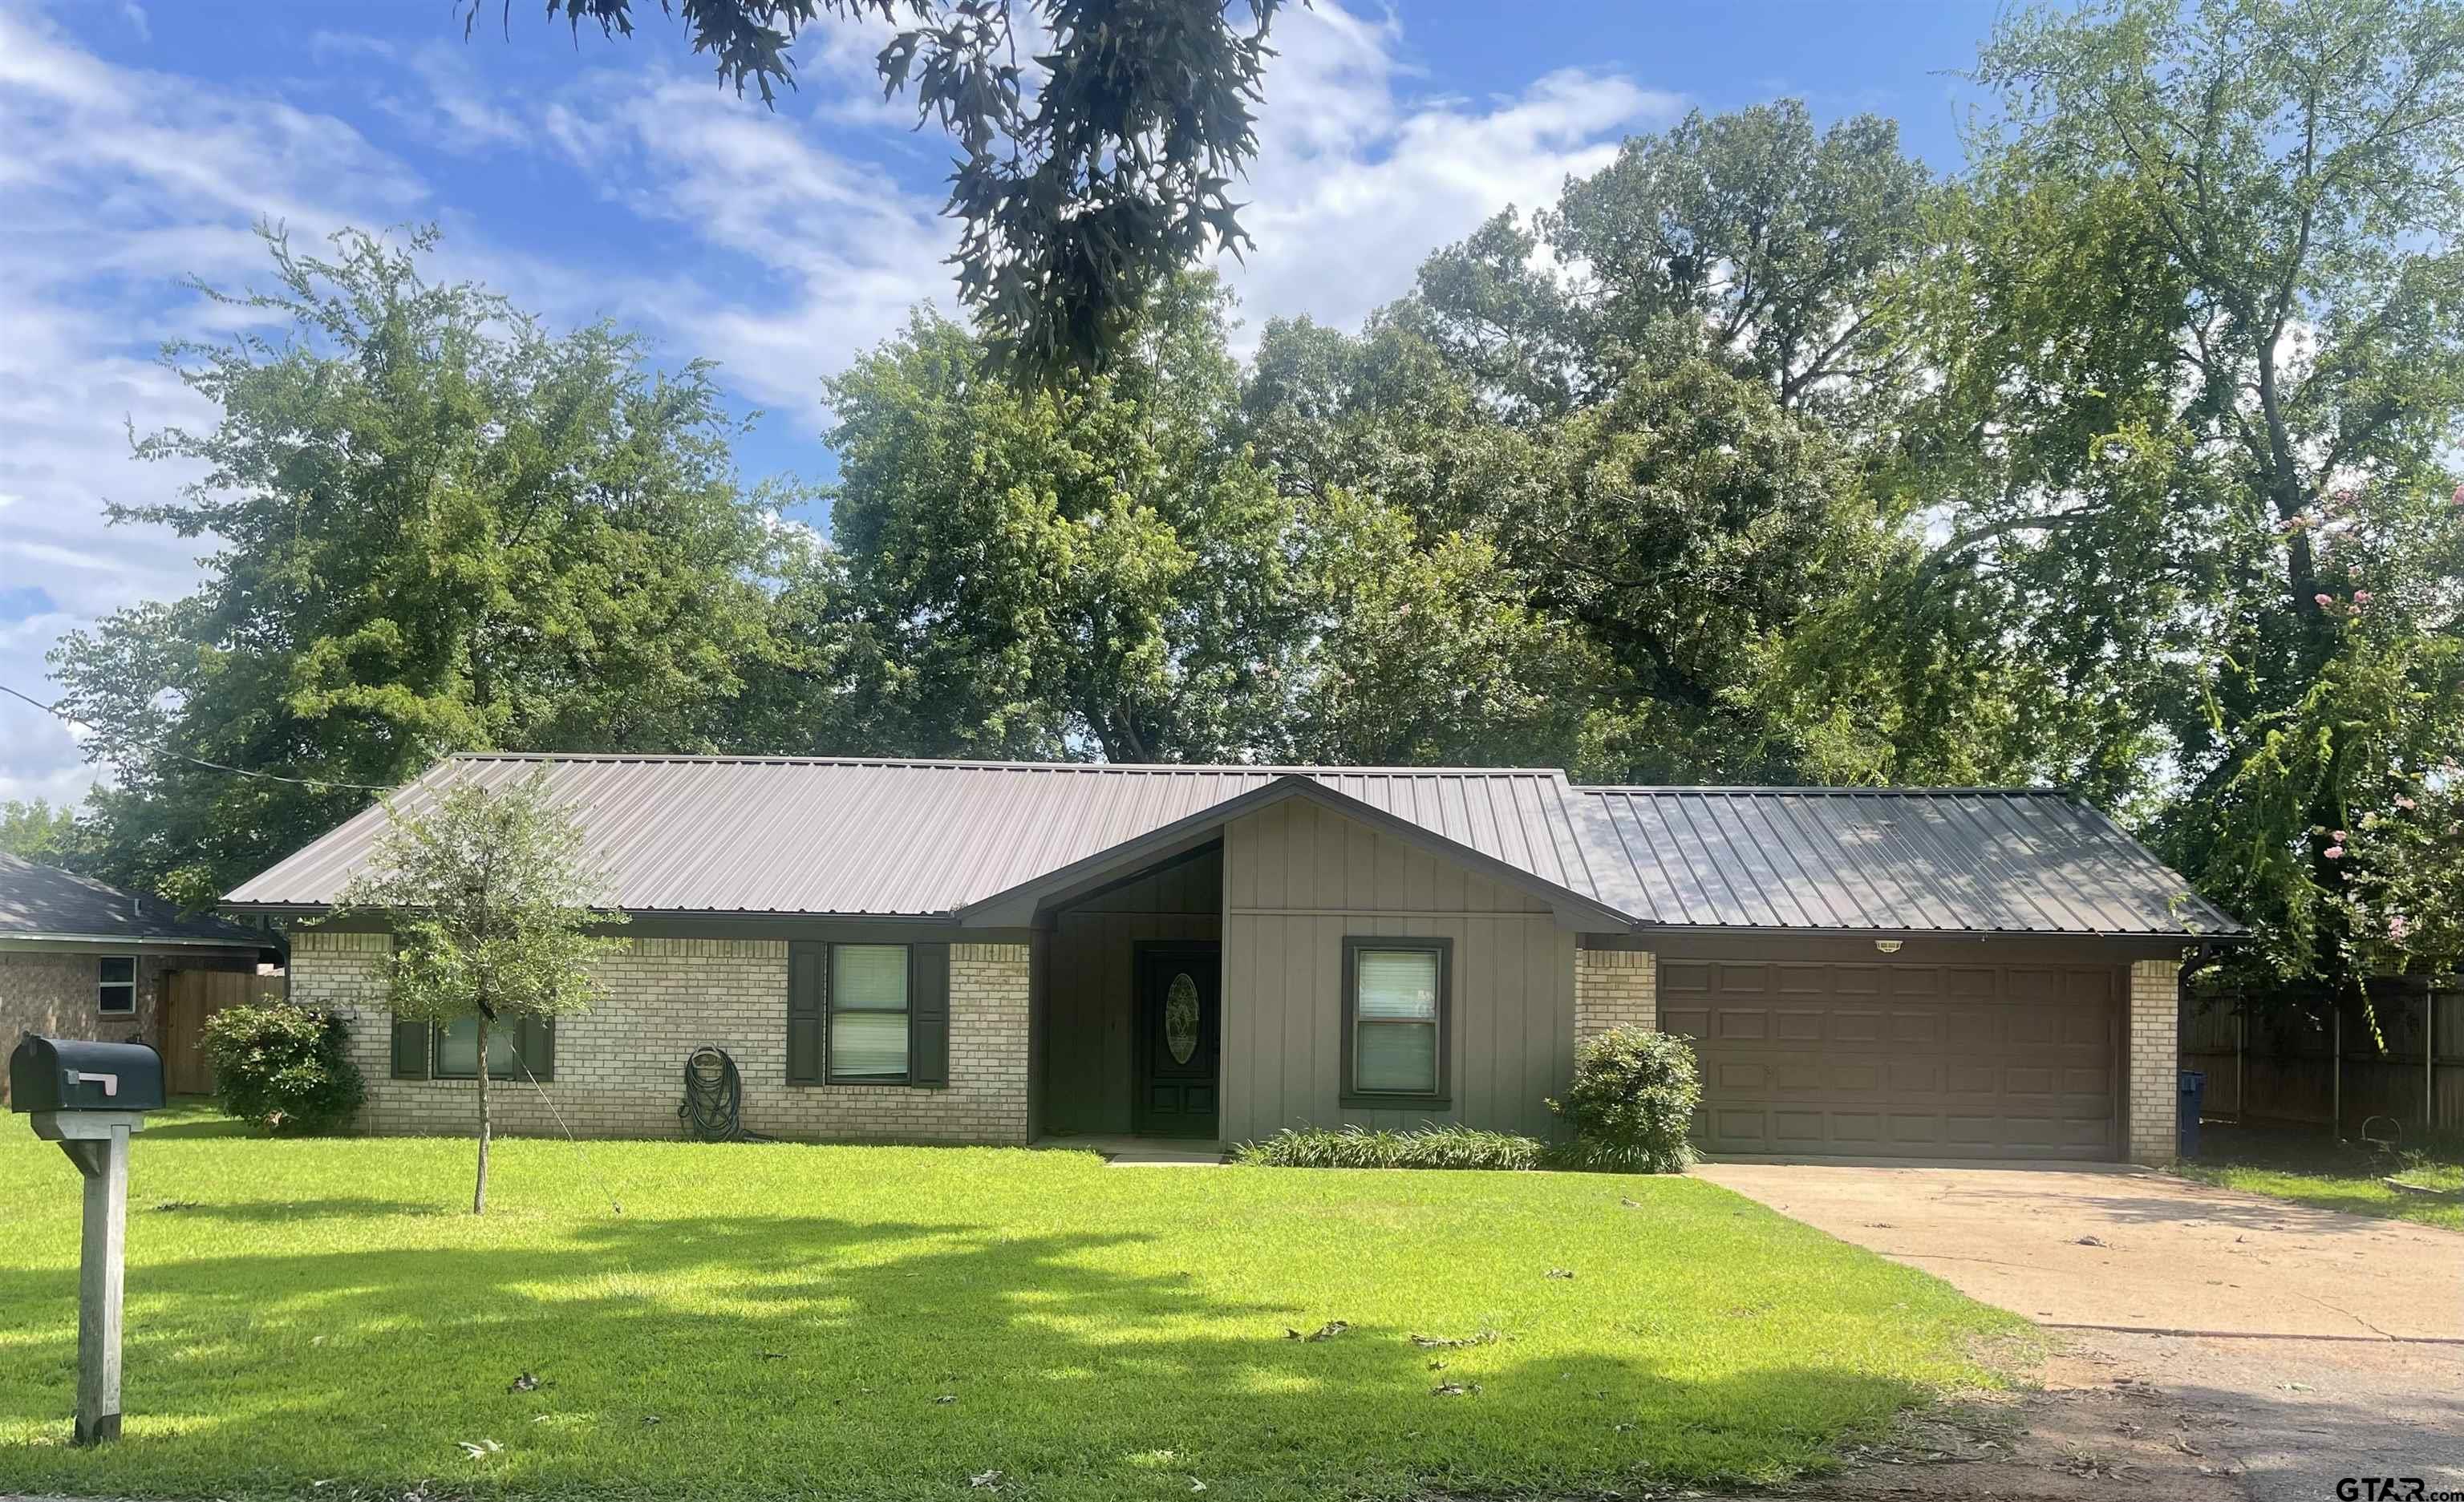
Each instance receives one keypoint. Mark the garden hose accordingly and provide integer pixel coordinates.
(714, 1108)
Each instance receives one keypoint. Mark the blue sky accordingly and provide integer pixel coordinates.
(619, 180)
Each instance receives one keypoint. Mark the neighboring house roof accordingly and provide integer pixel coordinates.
(976, 840)
(41, 901)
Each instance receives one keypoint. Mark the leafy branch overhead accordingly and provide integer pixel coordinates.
(1098, 140)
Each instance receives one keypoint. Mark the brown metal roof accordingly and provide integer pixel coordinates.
(886, 838)
(913, 837)
(1906, 860)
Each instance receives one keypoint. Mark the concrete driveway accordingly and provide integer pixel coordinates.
(2311, 1344)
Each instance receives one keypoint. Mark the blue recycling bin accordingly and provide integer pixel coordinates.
(2186, 1112)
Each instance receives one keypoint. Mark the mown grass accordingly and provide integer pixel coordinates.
(321, 1318)
(2307, 1168)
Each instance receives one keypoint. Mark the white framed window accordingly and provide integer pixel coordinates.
(867, 1013)
(115, 992)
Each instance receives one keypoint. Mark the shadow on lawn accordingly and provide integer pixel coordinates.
(717, 1357)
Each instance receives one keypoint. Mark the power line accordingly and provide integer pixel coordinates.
(57, 712)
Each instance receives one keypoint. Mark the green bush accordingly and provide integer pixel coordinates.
(1633, 1098)
(284, 1069)
(1423, 1147)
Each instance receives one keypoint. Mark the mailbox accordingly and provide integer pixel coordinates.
(73, 1074)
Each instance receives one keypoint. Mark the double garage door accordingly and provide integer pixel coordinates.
(1918, 1060)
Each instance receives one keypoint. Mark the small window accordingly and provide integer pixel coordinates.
(457, 1049)
(867, 1011)
(117, 992)
(1394, 1021)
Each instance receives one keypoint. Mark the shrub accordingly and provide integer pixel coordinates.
(1633, 1098)
(1422, 1147)
(284, 1069)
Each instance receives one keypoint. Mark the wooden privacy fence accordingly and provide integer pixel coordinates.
(189, 999)
(2303, 1060)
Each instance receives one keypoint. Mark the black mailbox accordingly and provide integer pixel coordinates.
(74, 1075)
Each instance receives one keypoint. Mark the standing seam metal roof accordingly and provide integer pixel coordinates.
(896, 837)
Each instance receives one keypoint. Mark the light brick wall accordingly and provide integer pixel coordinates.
(1615, 989)
(620, 1067)
(2155, 1060)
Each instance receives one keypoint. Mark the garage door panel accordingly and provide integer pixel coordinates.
(1967, 1060)
(1741, 1024)
(1912, 1130)
(1914, 1077)
(2085, 1029)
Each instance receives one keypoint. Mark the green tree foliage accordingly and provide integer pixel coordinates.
(1068, 569)
(1782, 250)
(2199, 326)
(1655, 404)
(1425, 655)
(2404, 896)
(1084, 179)
(493, 906)
(33, 829)
(436, 528)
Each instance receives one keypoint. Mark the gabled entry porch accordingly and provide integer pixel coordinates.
(1128, 1036)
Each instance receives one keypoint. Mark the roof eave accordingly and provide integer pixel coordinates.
(2137, 935)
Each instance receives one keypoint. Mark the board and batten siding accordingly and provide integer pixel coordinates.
(1090, 1016)
(1297, 879)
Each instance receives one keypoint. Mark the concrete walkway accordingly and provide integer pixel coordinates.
(2322, 1344)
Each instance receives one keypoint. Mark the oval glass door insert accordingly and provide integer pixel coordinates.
(1181, 1018)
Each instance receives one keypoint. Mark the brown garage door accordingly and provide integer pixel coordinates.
(1918, 1060)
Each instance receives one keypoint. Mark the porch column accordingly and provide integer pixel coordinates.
(2155, 1050)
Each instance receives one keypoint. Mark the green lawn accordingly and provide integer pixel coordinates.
(2307, 1168)
(889, 1322)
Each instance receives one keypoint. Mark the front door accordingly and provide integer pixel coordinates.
(1179, 1026)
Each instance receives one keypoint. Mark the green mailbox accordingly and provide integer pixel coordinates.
(48, 1074)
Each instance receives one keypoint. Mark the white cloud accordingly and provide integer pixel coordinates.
(118, 181)
(830, 252)
(1356, 182)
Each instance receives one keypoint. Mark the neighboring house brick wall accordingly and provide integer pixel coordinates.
(619, 1066)
(1615, 989)
(2155, 1061)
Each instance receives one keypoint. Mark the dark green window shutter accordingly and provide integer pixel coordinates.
(536, 1041)
(927, 1014)
(805, 964)
(409, 1049)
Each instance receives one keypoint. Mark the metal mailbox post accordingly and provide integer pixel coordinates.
(90, 1098)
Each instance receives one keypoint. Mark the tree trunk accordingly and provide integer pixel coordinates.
(479, 1195)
